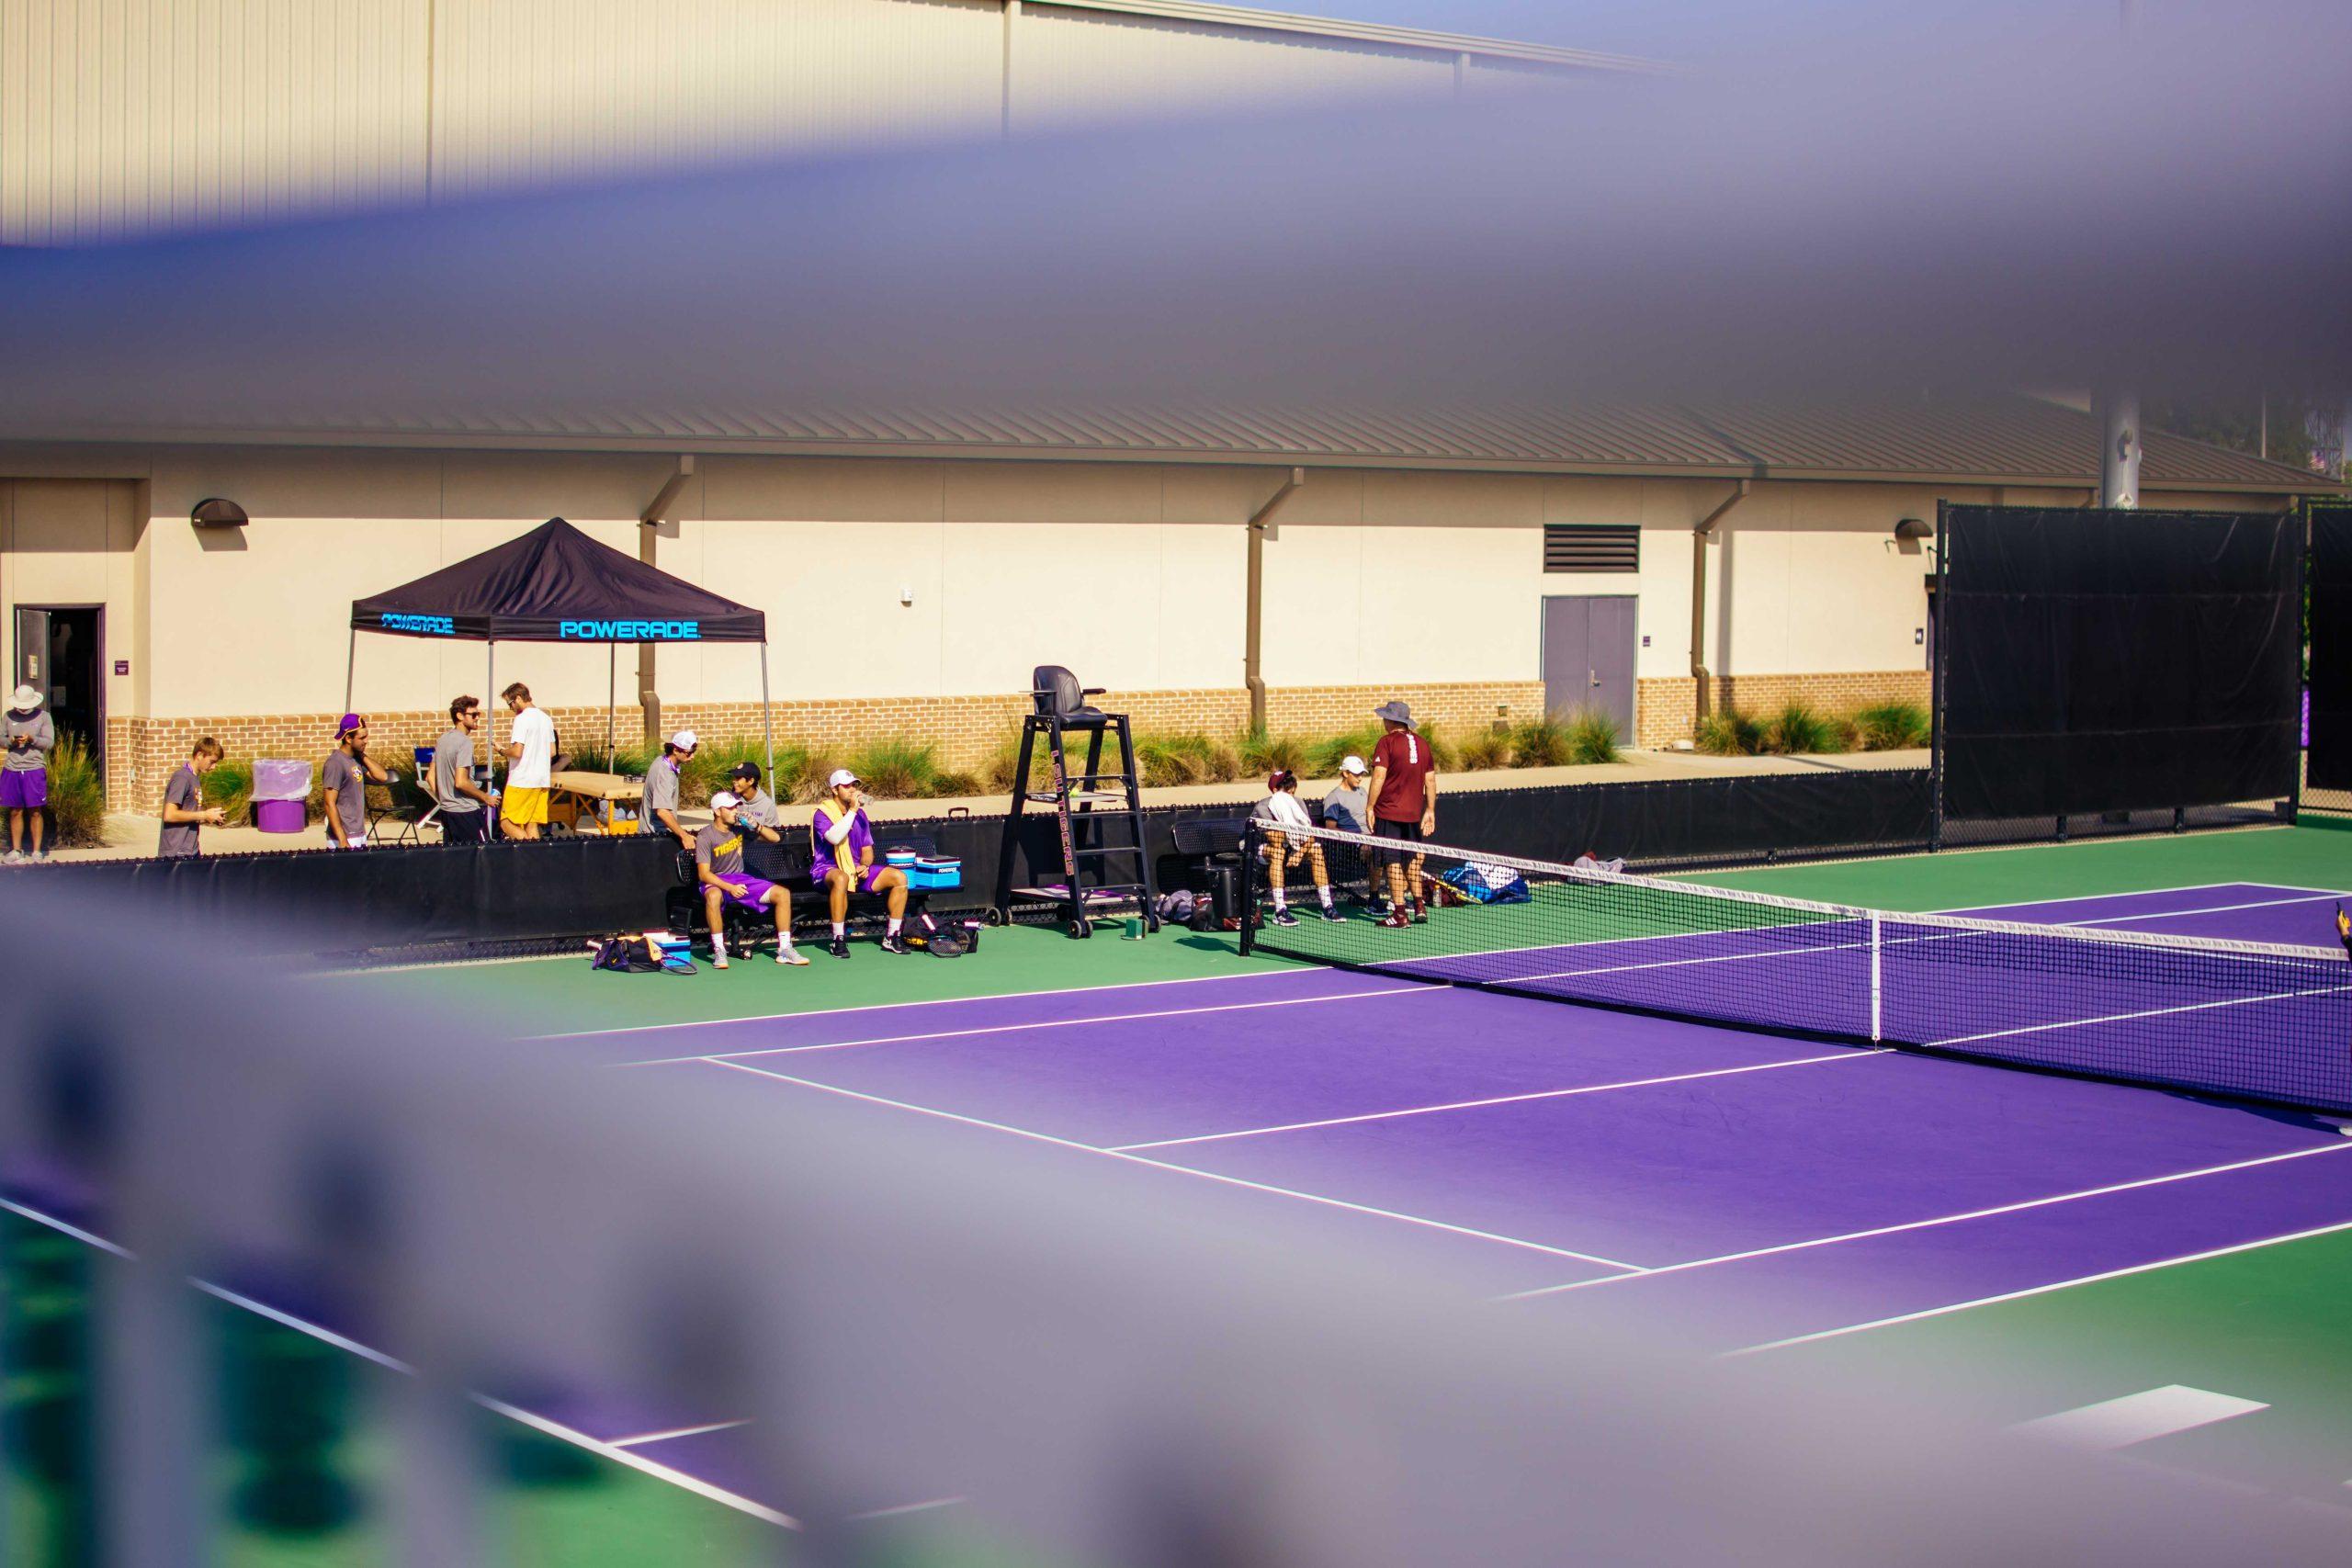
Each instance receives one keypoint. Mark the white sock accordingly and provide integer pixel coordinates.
(1278, 902)
(784, 941)
(839, 930)
(717, 945)
(1324, 895)
(894, 925)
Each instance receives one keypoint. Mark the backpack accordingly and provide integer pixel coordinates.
(1487, 884)
(635, 954)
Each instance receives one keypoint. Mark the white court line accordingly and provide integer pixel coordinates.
(1415, 990)
(1966, 909)
(1292, 971)
(1947, 1311)
(1179, 1169)
(904, 1508)
(2208, 910)
(2126, 1017)
(638, 1462)
(2137, 1417)
(54, 1223)
(2016, 1208)
(1848, 1055)
(643, 1437)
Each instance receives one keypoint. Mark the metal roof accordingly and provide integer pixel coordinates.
(1257, 20)
(2013, 441)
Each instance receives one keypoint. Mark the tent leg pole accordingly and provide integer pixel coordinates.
(767, 717)
(612, 695)
(490, 703)
(350, 668)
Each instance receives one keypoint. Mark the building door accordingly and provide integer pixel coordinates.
(58, 655)
(1589, 643)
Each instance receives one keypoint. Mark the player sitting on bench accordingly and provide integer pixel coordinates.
(1278, 811)
(841, 841)
(718, 864)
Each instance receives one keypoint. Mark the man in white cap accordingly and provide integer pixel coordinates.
(24, 776)
(1348, 808)
(841, 842)
(661, 785)
(718, 865)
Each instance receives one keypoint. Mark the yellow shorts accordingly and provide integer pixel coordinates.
(524, 807)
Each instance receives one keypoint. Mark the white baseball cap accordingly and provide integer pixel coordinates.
(723, 800)
(1352, 765)
(842, 776)
(684, 741)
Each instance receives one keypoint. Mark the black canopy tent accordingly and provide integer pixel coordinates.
(556, 584)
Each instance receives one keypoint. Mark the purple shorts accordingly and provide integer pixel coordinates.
(24, 792)
(866, 881)
(754, 893)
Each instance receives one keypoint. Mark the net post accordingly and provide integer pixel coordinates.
(1936, 682)
(1249, 880)
(1878, 979)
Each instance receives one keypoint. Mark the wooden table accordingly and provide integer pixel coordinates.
(573, 795)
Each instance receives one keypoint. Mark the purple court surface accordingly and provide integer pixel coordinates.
(1735, 1187)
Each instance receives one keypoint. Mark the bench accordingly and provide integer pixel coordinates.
(787, 865)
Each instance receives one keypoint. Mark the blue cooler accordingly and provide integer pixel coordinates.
(934, 872)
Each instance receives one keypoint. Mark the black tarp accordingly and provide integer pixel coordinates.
(2330, 757)
(2100, 661)
(556, 584)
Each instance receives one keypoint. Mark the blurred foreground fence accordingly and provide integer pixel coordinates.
(1107, 1365)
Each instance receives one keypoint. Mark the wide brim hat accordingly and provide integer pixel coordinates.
(24, 697)
(1395, 713)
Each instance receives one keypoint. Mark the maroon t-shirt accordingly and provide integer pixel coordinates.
(1404, 794)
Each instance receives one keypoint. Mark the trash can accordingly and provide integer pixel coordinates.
(280, 787)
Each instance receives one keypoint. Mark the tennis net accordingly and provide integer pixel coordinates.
(2246, 1019)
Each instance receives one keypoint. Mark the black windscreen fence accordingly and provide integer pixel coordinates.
(2328, 782)
(2116, 667)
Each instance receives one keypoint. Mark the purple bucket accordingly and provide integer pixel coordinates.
(278, 816)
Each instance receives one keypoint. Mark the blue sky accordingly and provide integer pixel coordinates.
(1699, 29)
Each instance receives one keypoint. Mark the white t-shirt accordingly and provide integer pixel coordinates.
(535, 732)
(1283, 810)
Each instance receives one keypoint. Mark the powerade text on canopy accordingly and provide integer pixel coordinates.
(434, 626)
(630, 631)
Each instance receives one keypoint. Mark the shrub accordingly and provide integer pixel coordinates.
(77, 797)
(1262, 753)
(1801, 727)
(998, 770)
(1482, 749)
(230, 785)
(1730, 733)
(1443, 753)
(897, 770)
(1541, 744)
(1891, 727)
(953, 781)
(1592, 737)
(1324, 757)
(1186, 760)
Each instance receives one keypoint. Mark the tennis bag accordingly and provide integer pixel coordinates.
(635, 955)
(1486, 884)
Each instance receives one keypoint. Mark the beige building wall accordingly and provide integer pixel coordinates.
(118, 117)
(913, 596)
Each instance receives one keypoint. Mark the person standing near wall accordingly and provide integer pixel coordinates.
(24, 777)
(464, 804)
(345, 780)
(530, 766)
(664, 785)
(184, 813)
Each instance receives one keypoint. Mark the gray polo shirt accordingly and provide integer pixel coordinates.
(346, 791)
(187, 792)
(1348, 809)
(759, 808)
(453, 759)
(662, 786)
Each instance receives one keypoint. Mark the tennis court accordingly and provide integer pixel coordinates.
(1760, 1193)
(2163, 1260)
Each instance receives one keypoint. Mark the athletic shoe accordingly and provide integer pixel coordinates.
(1282, 918)
(1376, 907)
(718, 961)
(1396, 921)
(838, 947)
(793, 957)
(1328, 913)
(896, 944)
(1420, 913)
(12, 858)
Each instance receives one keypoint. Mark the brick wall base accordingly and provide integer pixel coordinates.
(1666, 709)
(966, 730)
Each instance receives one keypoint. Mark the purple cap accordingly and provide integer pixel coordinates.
(351, 721)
